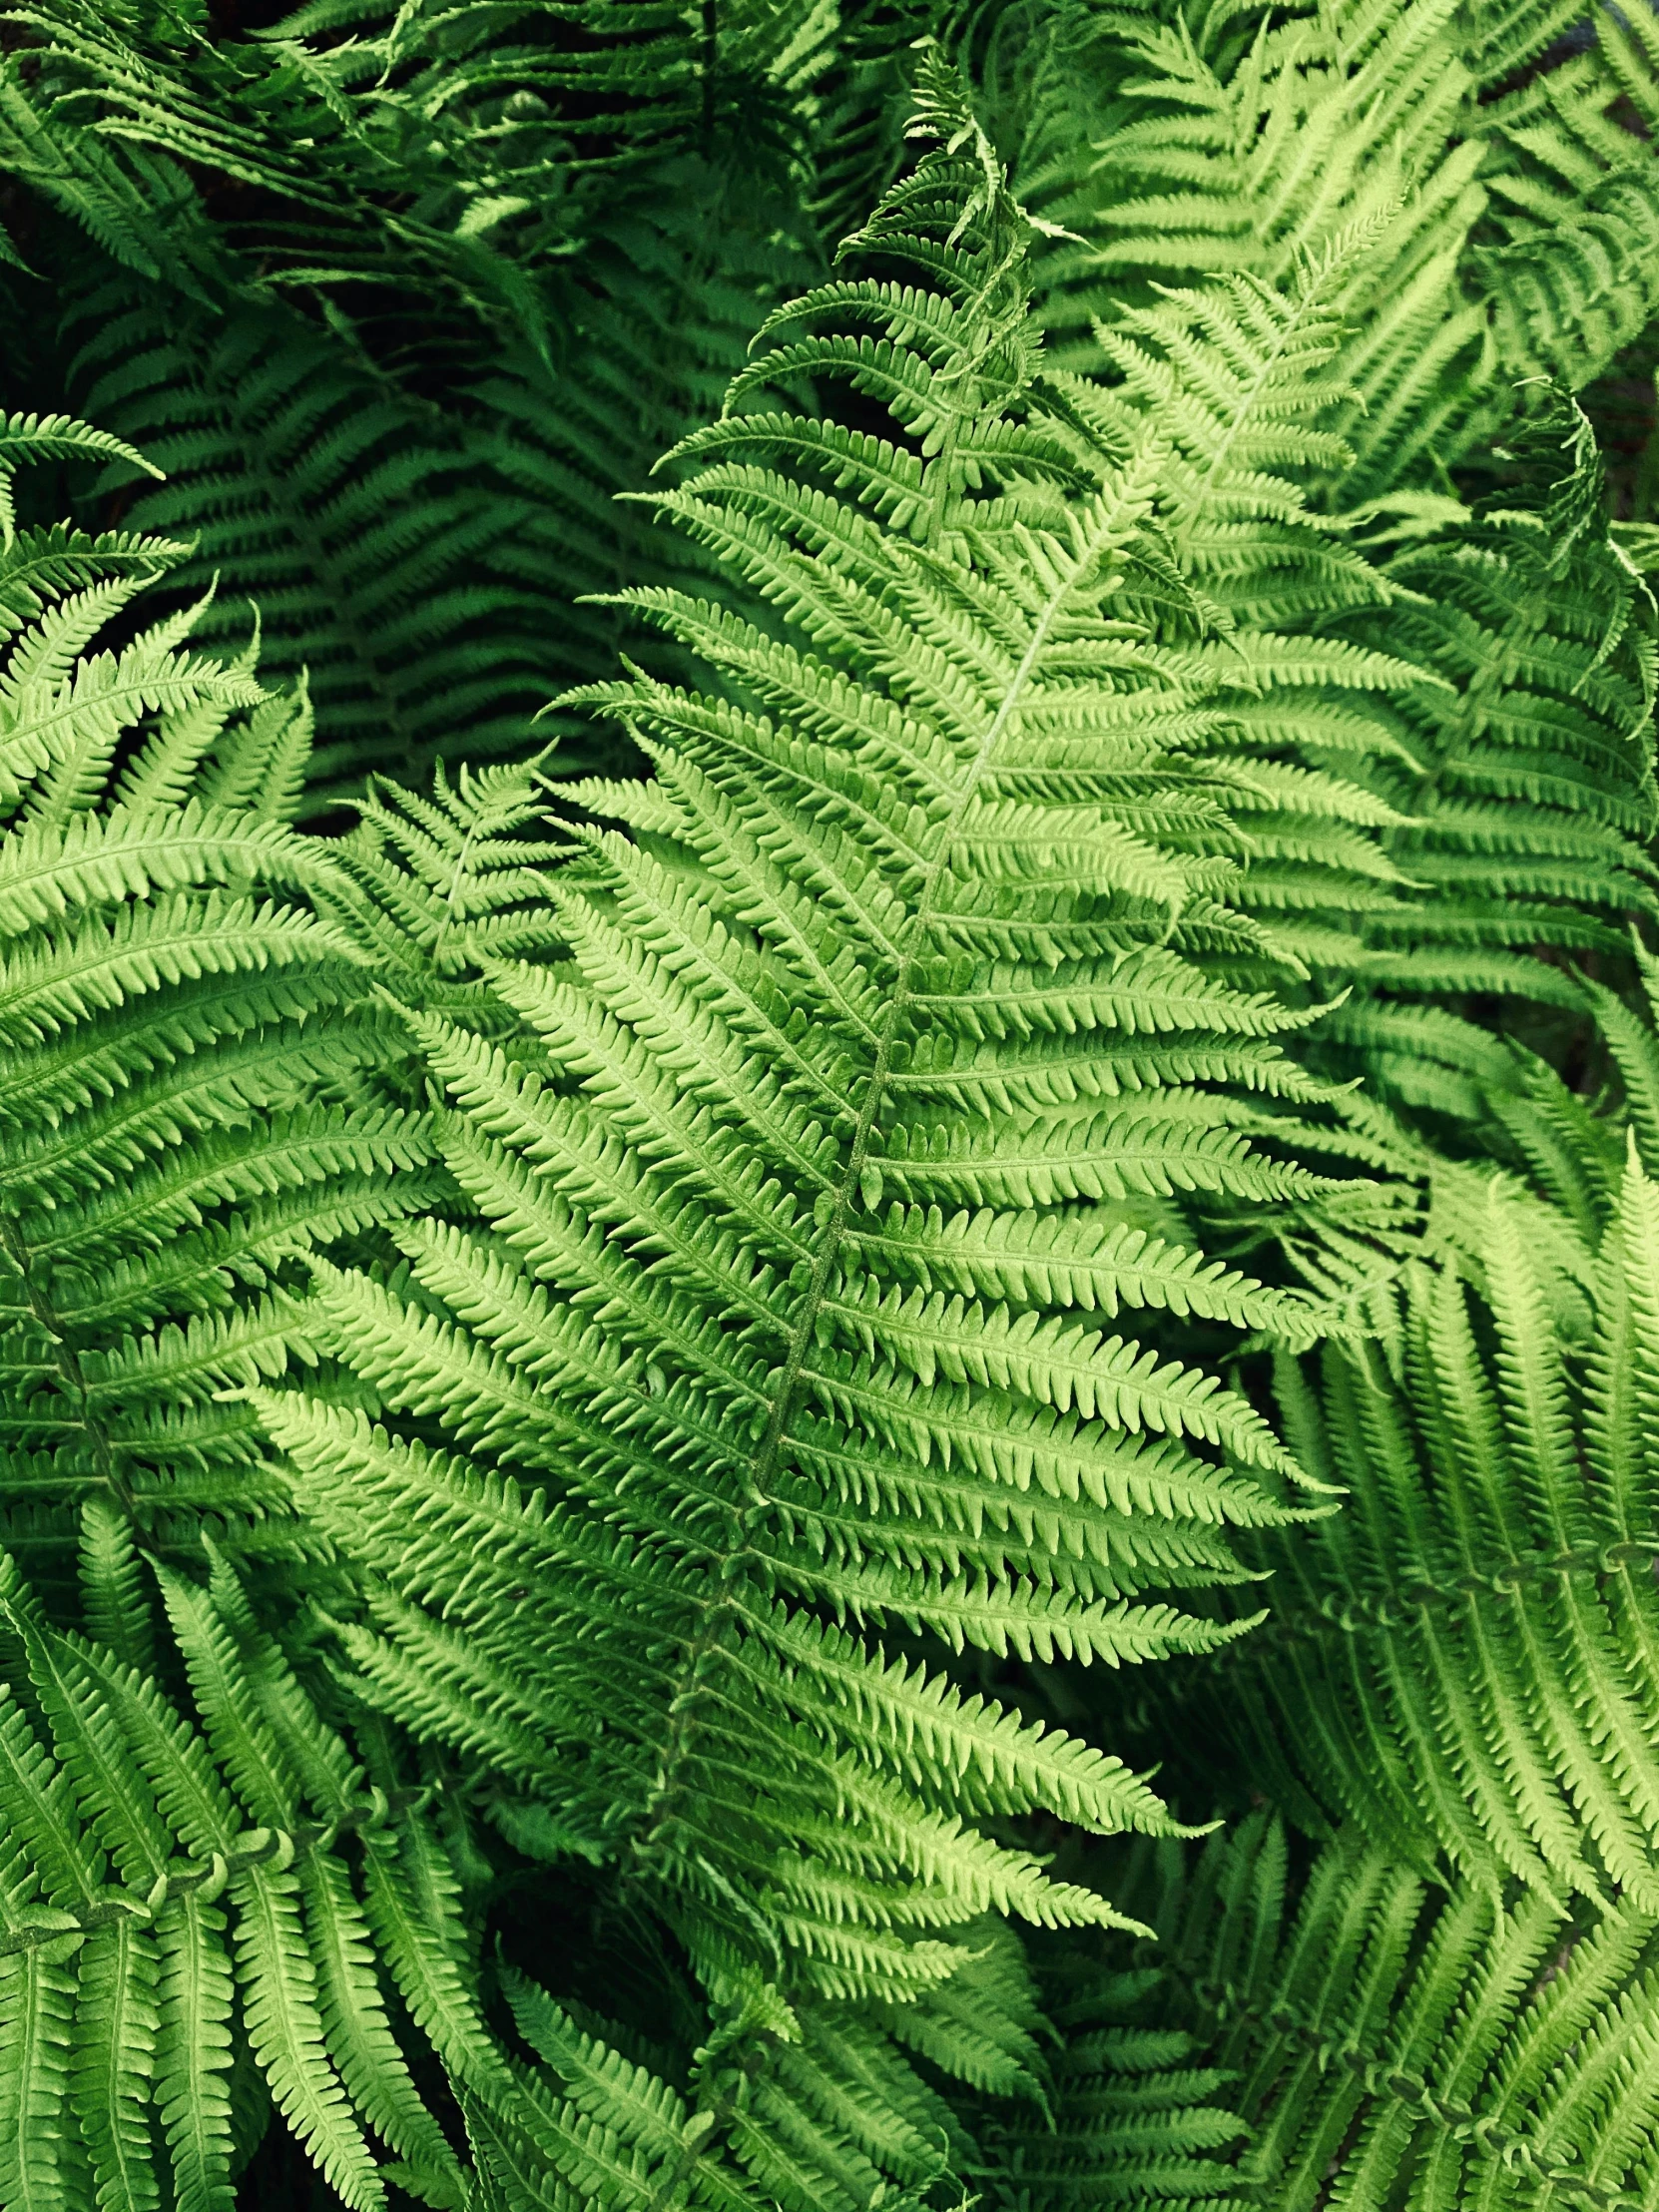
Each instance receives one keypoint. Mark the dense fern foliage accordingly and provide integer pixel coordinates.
(1508, 231)
(400, 298)
(898, 946)
(1385, 159)
(1411, 2044)
(193, 1100)
(194, 1093)
(1464, 1651)
(829, 1298)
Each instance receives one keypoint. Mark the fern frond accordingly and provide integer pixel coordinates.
(127, 1774)
(33, 438)
(1408, 2045)
(551, 201)
(1132, 2113)
(1498, 200)
(689, 1308)
(1460, 1658)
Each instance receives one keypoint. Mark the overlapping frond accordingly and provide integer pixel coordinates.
(1461, 1660)
(441, 884)
(1529, 790)
(1436, 734)
(1505, 193)
(402, 297)
(797, 2106)
(188, 1106)
(1407, 2045)
(1132, 2115)
(181, 1883)
(184, 1057)
(615, 1389)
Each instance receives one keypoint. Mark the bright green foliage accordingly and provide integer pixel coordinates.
(1462, 1658)
(1508, 218)
(1439, 758)
(826, 941)
(186, 1101)
(916, 941)
(1453, 826)
(598, 1424)
(185, 1108)
(1406, 2046)
(1528, 778)
(219, 1900)
(1515, 793)
(180, 1887)
(441, 885)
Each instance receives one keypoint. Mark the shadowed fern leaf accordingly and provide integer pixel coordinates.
(1408, 2047)
(1133, 2117)
(401, 298)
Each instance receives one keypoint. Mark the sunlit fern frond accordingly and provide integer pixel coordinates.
(734, 1376)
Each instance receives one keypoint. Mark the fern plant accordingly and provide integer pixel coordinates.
(594, 1415)
(1421, 842)
(223, 1893)
(1530, 786)
(1132, 2114)
(1463, 1662)
(797, 1250)
(155, 1766)
(187, 1090)
(1439, 722)
(187, 1104)
(1508, 200)
(1460, 1658)
(1514, 792)
(403, 544)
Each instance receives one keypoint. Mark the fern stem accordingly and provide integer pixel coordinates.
(940, 473)
(1355, 1613)
(452, 897)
